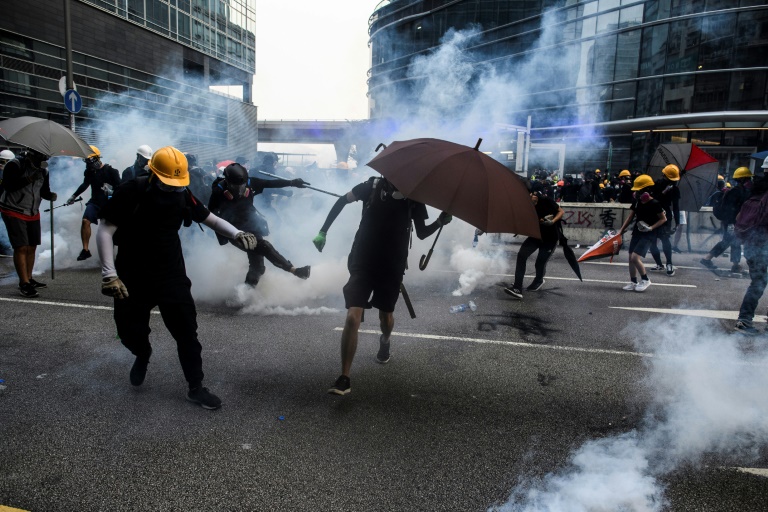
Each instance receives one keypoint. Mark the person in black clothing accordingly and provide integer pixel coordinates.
(650, 215)
(199, 181)
(626, 196)
(103, 179)
(232, 199)
(665, 191)
(143, 219)
(569, 193)
(139, 167)
(732, 201)
(376, 263)
(549, 214)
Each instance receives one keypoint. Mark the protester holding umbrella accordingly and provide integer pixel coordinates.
(376, 262)
(650, 215)
(25, 185)
(6, 156)
(665, 191)
(103, 179)
(549, 213)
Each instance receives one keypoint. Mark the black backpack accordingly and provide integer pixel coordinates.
(718, 205)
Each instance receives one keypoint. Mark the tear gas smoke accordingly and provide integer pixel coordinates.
(707, 398)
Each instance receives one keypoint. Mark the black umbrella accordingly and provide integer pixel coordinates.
(570, 257)
(44, 136)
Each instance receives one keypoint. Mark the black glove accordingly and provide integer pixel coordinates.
(298, 182)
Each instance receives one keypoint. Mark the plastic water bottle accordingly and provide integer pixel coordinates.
(459, 308)
(472, 306)
(474, 241)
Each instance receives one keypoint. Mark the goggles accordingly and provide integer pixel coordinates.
(92, 160)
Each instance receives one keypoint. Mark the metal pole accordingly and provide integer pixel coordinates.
(68, 48)
(527, 146)
(53, 272)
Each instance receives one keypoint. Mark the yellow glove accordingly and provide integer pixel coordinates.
(114, 287)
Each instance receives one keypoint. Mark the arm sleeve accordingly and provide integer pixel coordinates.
(221, 227)
(106, 248)
(84, 185)
(419, 214)
(260, 183)
(336, 210)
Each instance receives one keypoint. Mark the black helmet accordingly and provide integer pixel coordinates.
(235, 174)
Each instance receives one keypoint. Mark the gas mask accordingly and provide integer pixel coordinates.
(92, 164)
(169, 188)
(236, 191)
(39, 160)
(388, 189)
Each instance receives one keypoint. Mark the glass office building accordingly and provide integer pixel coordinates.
(646, 71)
(154, 57)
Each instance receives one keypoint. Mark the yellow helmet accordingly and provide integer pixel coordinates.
(642, 181)
(672, 172)
(742, 172)
(602, 185)
(624, 173)
(170, 166)
(96, 153)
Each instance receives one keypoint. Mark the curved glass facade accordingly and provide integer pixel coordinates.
(632, 60)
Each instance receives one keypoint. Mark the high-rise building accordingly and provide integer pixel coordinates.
(154, 57)
(610, 79)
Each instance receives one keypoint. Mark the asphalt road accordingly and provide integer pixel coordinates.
(472, 406)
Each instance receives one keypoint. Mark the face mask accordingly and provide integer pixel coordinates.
(169, 188)
(44, 164)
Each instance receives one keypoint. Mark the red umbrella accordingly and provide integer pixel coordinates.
(698, 172)
(462, 181)
(224, 163)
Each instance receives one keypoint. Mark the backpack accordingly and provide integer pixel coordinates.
(716, 200)
(752, 219)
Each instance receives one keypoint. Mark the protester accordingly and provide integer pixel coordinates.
(143, 219)
(376, 263)
(650, 215)
(103, 179)
(665, 191)
(25, 185)
(549, 214)
(753, 233)
(730, 206)
(625, 187)
(139, 167)
(199, 181)
(6, 251)
(232, 199)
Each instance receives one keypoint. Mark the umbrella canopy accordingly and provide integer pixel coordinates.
(462, 181)
(608, 245)
(698, 172)
(44, 136)
(760, 155)
(570, 257)
(224, 163)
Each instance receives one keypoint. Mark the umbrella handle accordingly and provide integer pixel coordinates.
(424, 261)
(381, 145)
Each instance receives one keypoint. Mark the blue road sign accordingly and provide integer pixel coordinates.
(73, 101)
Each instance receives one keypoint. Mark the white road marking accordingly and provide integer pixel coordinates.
(705, 313)
(754, 471)
(65, 304)
(508, 343)
(625, 281)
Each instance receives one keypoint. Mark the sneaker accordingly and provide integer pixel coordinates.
(629, 287)
(513, 291)
(204, 398)
(534, 286)
(744, 328)
(28, 291)
(37, 284)
(302, 272)
(139, 371)
(342, 386)
(84, 255)
(708, 263)
(642, 285)
(676, 249)
(657, 268)
(670, 270)
(735, 269)
(383, 356)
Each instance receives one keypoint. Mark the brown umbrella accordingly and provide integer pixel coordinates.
(44, 136)
(462, 181)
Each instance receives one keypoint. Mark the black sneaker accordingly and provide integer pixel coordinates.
(139, 371)
(84, 255)
(28, 291)
(302, 272)
(735, 269)
(513, 291)
(535, 286)
(670, 269)
(676, 249)
(744, 328)
(708, 263)
(37, 284)
(342, 386)
(383, 356)
(204, 398)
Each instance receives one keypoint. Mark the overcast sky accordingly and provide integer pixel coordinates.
(312, 58)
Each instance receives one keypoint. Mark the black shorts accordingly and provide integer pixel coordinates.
(385, 290)
(22, 232)
(92, 213)
(641, 242)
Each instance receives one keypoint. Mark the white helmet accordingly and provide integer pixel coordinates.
(144, 151)
(7, 154)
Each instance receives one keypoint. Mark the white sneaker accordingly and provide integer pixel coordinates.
(630, 287)
(642, 285)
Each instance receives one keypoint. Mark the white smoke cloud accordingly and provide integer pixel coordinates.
(708, 398)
